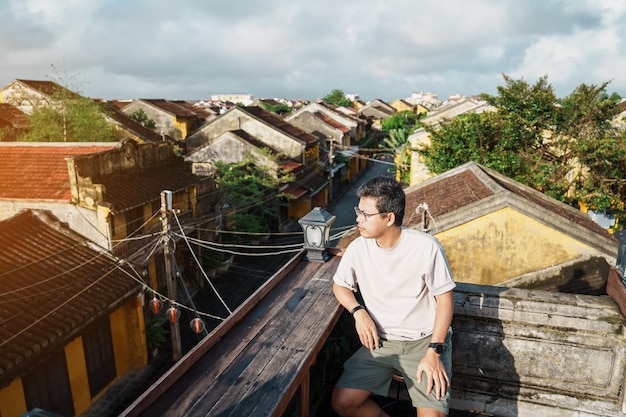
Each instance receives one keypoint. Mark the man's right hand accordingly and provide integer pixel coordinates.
(366, 329)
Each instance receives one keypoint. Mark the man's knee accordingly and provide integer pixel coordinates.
(344, 400)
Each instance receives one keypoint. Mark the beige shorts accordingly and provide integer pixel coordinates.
(372, 370)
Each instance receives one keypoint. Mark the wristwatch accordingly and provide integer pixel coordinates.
(438, 347)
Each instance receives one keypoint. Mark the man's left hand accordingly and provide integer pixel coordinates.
(436, 375)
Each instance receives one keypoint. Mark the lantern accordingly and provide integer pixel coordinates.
(155, 305)
(172, 314)
(316, 227)
(197, 325)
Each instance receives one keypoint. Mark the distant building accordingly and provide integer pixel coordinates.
(245, 99)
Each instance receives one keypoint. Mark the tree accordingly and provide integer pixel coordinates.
(566, 148)
(397, 144)
(400, 120)
(68, 117)
(140, 116)
(592, 147)
(337, 97)
(252, 193)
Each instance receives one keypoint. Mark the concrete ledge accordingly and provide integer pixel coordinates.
(534, 353)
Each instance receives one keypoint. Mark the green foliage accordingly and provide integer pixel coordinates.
(401, 120)
(155, 334)
(398, 127)
(566, 148)
(337, 97)
(140, 116)
(252, 192)
(278, 109)
(68, 117)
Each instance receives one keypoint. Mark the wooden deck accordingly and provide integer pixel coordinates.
(258, 359)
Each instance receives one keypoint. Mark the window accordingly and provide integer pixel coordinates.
(99, 356)
(48, 387)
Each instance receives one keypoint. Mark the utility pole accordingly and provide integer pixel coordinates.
(166, 210)
(331, 173)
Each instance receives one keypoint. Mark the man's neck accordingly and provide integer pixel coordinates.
(389, 238)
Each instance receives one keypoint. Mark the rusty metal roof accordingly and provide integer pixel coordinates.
(53, 284)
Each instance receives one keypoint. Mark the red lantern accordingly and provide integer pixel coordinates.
(172, 314)
(197, 325)
(155, 305)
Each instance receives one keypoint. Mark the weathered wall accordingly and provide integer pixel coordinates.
(533, 353)
(236, 119)
(495, 248)
(165, 122)
(78, 219)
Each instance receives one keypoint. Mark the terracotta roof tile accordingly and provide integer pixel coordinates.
(53, 283)
(331, 122)
(39, 172)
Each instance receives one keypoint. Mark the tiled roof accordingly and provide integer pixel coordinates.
(171, 107)
(245, 136)
(331, 122)
(46, 87)
(279, 124)
(127, 190)
(201, 111)
(53, 284)
(471, 183)
(14, 116)
(39, 171)
(113, 111)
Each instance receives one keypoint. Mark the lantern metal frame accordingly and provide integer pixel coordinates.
(316, 229)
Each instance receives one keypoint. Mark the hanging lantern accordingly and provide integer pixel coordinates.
(197, 325)
(155, 305)
(172, 314)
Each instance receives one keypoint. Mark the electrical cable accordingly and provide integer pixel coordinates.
(200, 266)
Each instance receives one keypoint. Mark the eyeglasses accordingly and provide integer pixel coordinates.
(359, 212)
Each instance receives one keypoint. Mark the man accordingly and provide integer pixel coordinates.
(405, 282)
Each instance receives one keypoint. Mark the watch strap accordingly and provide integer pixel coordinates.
(357, 308)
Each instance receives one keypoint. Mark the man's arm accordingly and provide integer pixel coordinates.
(431, 363)
(365, 326)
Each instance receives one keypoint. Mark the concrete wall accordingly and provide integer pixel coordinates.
(79, 219)
(165, 122)
(237, 119)
(533, 353)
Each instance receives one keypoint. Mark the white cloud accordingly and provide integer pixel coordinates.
(194, 48)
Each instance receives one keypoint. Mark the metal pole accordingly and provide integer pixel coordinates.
(166, 209)
(331, 174)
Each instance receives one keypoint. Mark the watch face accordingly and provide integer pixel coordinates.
(438, 347)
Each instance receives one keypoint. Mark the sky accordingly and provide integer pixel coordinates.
(304, 49)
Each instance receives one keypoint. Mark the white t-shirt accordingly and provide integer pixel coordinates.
(399, 284)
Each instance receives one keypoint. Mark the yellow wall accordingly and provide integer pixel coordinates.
(487, 250)
(77, 371)
(128, 334)
(12, 402)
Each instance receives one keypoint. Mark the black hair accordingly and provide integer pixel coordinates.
(389, 195)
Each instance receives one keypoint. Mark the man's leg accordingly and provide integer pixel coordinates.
(429, 412)
(348, 402)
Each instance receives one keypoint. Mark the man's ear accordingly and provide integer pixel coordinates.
(391, 219)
